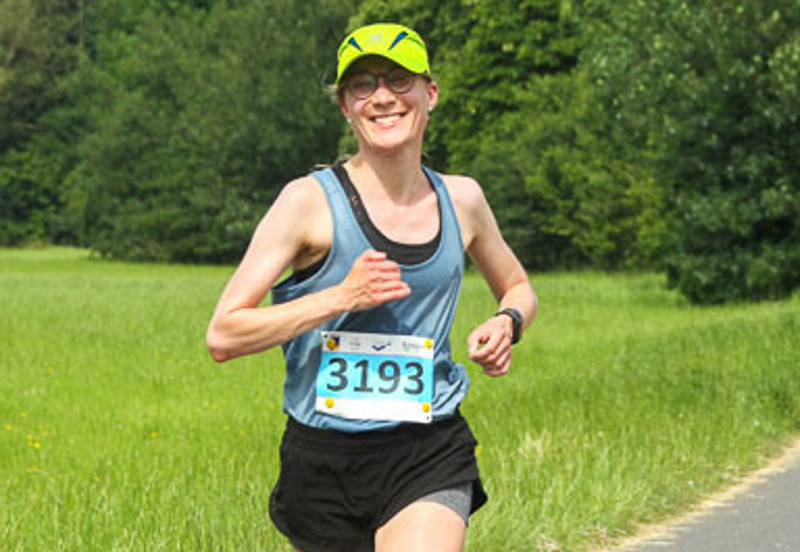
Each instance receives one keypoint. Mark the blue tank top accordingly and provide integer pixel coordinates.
(435, 286)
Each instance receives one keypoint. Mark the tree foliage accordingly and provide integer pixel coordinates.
(605, 133)
(205, 118)
(714, 88)
(564, 185)
(39, 44)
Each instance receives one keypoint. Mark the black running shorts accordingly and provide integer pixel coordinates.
(336, 489)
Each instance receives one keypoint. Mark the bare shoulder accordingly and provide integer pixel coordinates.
(300, 221)
(297, 218)
(472, 208)
(300, 205)
(301, 193)
(465, 191)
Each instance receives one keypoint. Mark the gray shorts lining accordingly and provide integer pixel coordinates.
(458, 499)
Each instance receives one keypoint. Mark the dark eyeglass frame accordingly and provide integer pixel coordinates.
(363, 85)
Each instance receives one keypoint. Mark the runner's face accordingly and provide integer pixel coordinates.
(394, 114)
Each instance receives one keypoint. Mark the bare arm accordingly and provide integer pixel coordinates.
(298, 222)
(490, 343)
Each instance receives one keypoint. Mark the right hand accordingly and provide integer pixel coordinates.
(373, 280)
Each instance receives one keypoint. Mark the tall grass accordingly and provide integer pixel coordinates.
(118, 433)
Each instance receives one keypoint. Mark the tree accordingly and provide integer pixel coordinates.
(714, 87)
(203, 120)
(39, 44)
(566, 194)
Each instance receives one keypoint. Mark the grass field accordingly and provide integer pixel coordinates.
(118, 433)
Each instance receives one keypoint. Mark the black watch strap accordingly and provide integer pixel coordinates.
(516, 318)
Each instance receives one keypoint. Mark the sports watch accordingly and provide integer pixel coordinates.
(516, 319)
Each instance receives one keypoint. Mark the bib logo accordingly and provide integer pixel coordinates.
(332, 343)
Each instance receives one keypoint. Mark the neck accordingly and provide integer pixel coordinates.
(399, 174)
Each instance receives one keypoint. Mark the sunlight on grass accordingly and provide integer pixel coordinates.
(118, 433)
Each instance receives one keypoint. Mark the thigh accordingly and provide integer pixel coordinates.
(422, 527)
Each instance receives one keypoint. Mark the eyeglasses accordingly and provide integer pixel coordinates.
(363, 85)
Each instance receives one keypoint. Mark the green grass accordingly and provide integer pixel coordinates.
(118, 433)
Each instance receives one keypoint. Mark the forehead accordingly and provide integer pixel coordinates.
(373, 64)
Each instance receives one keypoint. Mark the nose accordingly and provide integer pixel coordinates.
(383, 93)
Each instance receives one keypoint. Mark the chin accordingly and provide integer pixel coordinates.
(391, 141)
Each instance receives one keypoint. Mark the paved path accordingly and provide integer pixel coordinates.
(762, 515)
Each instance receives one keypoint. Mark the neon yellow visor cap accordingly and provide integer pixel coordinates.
(392, 41)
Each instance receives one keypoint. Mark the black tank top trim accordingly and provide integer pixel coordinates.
(403, 253)
(310, 270)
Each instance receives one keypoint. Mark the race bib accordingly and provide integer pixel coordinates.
(365, 376)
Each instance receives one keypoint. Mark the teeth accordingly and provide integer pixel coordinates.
(386, 120)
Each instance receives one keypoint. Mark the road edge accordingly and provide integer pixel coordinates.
(666, 530)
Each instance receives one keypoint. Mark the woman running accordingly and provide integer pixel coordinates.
(375, 455)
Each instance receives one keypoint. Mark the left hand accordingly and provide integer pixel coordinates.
(490, 345)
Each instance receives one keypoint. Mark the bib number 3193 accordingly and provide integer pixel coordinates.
(365, 376)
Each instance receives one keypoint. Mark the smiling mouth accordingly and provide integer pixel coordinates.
(386, 121)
